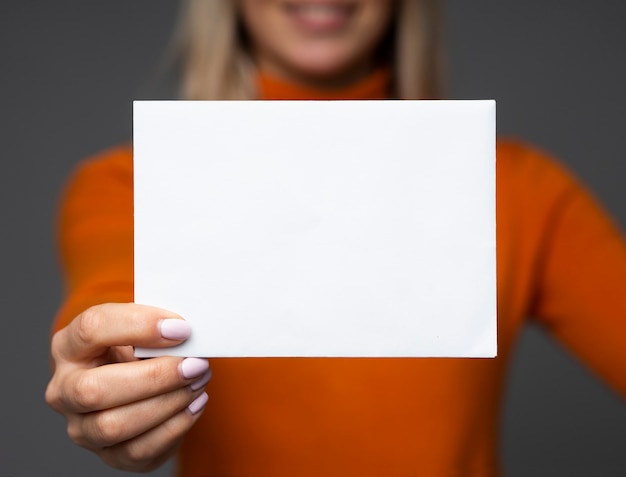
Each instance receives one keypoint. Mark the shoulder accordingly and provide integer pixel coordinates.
(114, 163)
(101, 182)
(536, 195)
(532, 177)
(111, 166)
(520, 162)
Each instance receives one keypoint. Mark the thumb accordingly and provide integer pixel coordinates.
(119, 324)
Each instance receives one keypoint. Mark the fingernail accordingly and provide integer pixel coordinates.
(174, 329)
(200, 383)
(198, 404)
(193, 367)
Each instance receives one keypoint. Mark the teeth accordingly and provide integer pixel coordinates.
(320, 12)
(319, 7)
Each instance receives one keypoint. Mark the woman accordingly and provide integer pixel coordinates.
(320, 416)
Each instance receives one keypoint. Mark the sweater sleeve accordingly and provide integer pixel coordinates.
(95, 234)
(581, 280)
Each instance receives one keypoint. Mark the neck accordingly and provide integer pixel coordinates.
(337, 80)
(370, 83)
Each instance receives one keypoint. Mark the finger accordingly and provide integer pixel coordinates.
(148, 450)
(117, 324)
(88, 390)
(112, 426)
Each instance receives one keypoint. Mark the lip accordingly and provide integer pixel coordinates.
(320, 17)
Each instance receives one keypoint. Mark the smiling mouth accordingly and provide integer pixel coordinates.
(321, 16)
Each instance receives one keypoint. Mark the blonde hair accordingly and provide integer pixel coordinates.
(214, 63)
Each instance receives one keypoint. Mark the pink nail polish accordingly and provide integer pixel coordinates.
(198, 404)
(174, 329)
(192, 368)
(200, 383)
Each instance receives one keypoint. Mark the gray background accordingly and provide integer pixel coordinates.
(68, 73)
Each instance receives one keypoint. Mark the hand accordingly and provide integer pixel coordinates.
(132, 413)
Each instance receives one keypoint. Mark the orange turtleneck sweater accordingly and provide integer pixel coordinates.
(560, 260)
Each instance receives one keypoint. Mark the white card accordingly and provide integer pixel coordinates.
(318, 228)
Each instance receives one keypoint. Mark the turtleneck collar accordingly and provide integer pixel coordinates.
(374, 86)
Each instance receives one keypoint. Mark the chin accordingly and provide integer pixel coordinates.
(322, 65)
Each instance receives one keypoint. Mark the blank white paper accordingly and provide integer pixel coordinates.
(318, 228)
